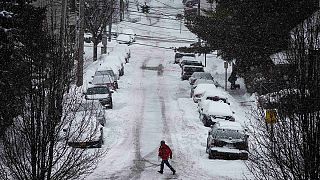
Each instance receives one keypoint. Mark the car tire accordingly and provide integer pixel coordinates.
(211, 156)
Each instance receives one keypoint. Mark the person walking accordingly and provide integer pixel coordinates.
(164, 153)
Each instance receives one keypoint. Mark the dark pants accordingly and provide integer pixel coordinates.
(167, 163)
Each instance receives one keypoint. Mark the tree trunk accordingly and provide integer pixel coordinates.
(95, 49)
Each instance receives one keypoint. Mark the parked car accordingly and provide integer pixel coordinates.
(200, 75)
(227, 140)
(119, 58)
(216, 94)
(187, 60)
(101, 93)
(215, 111)
(108, 72)
(179, 55)
(85, 128)
(197, 82)
(104, 80)
(104, 64)
(131, 33)
(200, 90)
(191, 63)
(113, 60)
(124, 39)
(188, 70)
(123, 48)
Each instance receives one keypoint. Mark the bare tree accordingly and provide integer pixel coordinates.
(97, 14)
(35, 146)
(290, 148)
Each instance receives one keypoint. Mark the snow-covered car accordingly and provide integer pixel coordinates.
(217, 95)
(200, 90)
(113, 61)
(107, 72)
(188, 70)
(104, 80)
(197, 82)
(85, 127)
(200, 75)
(124, 39)
(131, 33)
(124, 49)
(214, 111)
(227, 140)
(101, 93)
(178, 56)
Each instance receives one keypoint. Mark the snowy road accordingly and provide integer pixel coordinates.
(151, 106)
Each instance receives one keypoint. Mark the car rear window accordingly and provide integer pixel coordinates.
(194, 69)
(228, 133)
(98, 90)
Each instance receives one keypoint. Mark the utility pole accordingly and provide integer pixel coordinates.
(121, 10)
(110, 21)
(226, 75)
(80, 44)
(199, 7)
(199, 15)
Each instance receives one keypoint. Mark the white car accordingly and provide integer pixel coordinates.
(112, 61)
(125, 49)
(217, 95)
(84, 128)
(131, 33)
(200, 90)
(124, 39)
(215, 111)
(197, 82)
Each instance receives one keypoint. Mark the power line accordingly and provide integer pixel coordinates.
(169, 18)
(155, 26)
(156, 32)
(153, 46)
(164, 38)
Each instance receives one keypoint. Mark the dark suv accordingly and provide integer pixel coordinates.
(188, 70)
(178, 56)
(101, 93)
(227, 140)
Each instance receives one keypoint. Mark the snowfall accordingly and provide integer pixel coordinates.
(150, 107)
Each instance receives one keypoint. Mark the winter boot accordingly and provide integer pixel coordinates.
(161, 172)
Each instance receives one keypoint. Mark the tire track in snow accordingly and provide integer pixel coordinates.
(138, 166)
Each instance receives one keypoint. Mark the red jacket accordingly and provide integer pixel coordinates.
(165, 152)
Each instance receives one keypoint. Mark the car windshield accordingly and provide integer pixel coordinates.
(194, 69)
(216, 98)
(228, 133)
(98, 90)
(105, 72)
(102, 79)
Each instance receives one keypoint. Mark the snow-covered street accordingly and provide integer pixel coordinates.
(151, 106)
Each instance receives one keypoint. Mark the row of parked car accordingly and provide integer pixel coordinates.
(226, 137)
(86, 130)
(126, 36)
